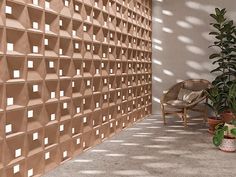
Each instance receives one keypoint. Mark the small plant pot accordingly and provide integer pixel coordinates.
(227, 117)
(212, 123)
(228, 145)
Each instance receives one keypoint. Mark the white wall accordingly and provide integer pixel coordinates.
(181, 40)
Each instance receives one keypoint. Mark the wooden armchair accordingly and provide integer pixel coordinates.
(171, 103)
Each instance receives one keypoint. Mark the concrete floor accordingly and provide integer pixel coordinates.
(149, 149)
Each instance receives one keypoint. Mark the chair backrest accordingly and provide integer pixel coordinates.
(191, 84)
(196, 84)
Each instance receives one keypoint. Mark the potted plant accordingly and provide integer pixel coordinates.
(224, 58)
(224, 137)
(231, 99)
(214, 101)
(230, 113)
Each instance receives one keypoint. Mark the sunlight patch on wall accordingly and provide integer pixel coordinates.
(198, 6)
(185, 39)
(157, 47)
(154, 40)
(155, 19)
(208, 66)
(209, 76)
(158, 62)
(157, 79)
(195, 50)
(208, 8)
(193, 75)
(208, 37)
(167, 12)
(179, 80)
(195, 65)
(193, 5)
(167, 30)
(194, 20)
(168, 72)
(184, 24)
(156, 100)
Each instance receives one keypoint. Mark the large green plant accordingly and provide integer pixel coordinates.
(225, 56)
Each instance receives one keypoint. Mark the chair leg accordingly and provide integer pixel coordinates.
(205, 114)
(185, 117)
(163, 114)
(182, 115)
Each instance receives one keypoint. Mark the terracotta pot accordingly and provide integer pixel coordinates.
(212, 123)
(228, 145)
(227, 116)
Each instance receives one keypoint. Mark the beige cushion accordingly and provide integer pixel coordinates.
(177, 103)
(191, 97)
(183, 93)
(188, 95)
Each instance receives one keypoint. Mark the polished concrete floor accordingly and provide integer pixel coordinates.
(149, 149)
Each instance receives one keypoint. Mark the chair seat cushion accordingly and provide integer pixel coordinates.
(183, 93)
(177, 103)
(189, 95)
(194, 95)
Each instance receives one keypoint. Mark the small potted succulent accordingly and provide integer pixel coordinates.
(224, 137)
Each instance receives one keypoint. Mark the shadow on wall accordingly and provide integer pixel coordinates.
(181, 40)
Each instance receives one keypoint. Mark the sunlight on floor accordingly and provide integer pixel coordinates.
(147, 152)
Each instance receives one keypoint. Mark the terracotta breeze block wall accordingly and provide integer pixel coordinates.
(72, 73)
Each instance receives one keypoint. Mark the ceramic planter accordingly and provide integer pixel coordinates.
(228, 145)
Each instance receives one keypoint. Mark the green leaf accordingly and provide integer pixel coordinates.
(216, 141)
(214, 55)
(219, 126)
(233, 131)
(218, 11)
(214, 33)
(213, 16)
(216, 70)
(223, 11)
(234, 122)
(217, 26)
